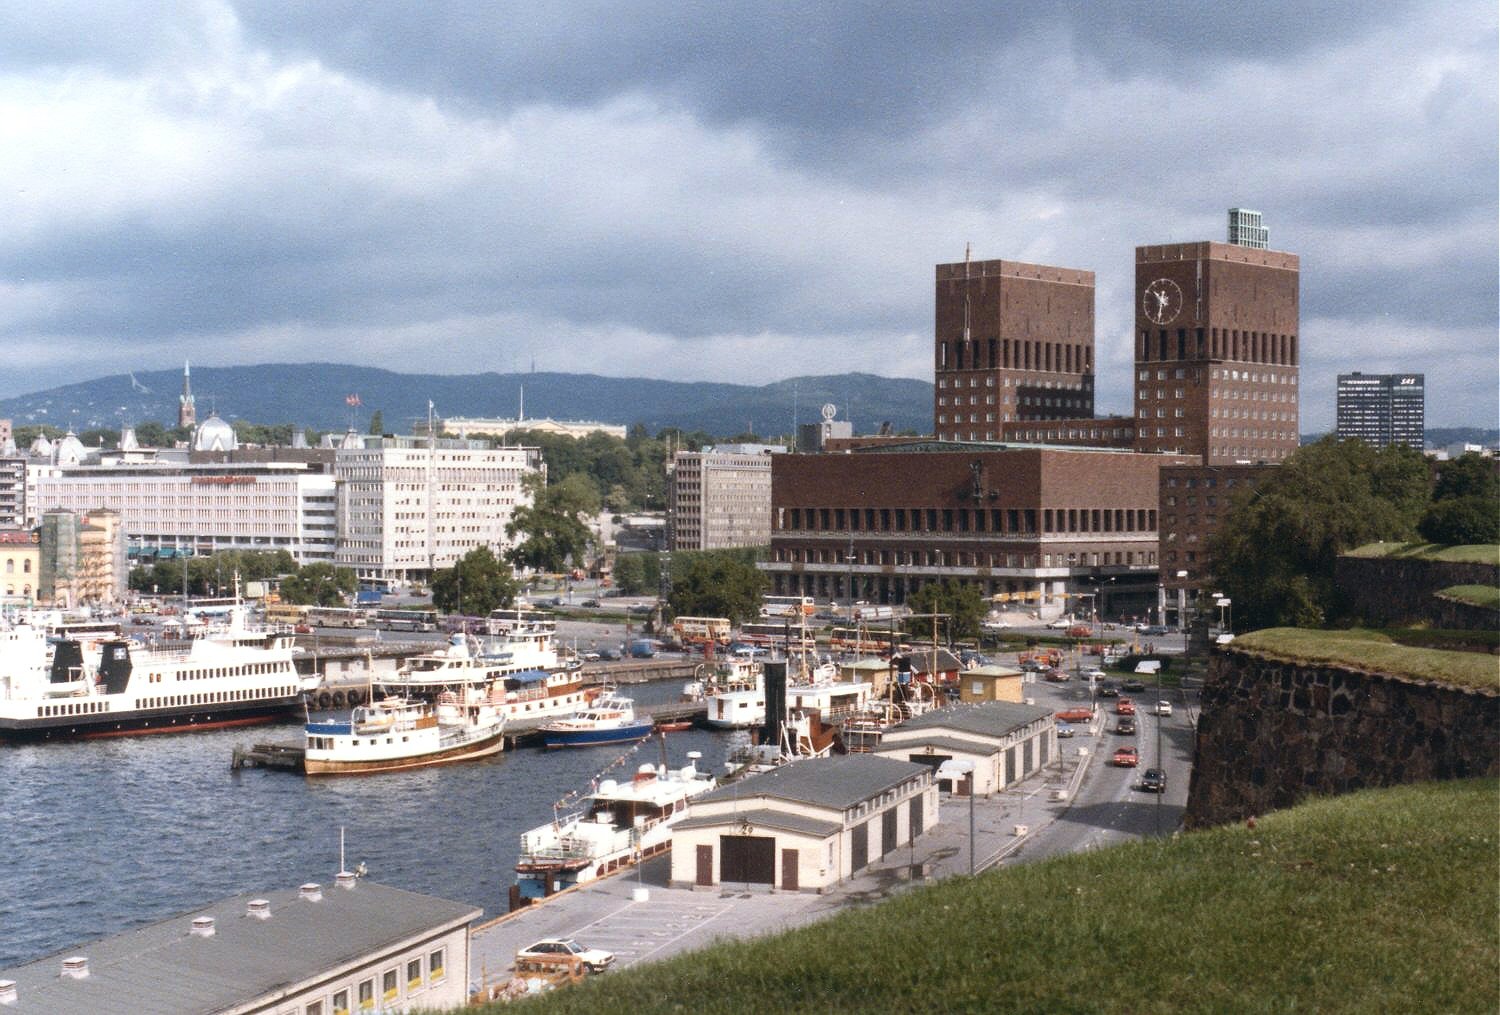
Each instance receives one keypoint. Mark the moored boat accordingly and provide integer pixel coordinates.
(393, 734)
(620, 824)
(610, 720)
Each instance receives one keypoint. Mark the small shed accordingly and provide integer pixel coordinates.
(805, 826)
(990, 683)
(1006, 741)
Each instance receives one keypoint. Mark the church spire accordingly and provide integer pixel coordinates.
(187, 412)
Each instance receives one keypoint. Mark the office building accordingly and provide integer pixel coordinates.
(1194, 501)
(720, 497)
(1216, 351)
(20, 566)
(1382, 409)
(1012, 341)
(1033, 523)
(1246, 230)
(408, 506)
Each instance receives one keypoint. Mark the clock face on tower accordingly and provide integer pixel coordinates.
(1161, 301)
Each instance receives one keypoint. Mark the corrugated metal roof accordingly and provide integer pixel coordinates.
(163, 967)
(837, 782)
(761, 817)
(990, 718)
(904, 747)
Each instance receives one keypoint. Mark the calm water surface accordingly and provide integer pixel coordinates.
(101, 836)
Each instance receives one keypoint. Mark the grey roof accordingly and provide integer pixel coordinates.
(941, 742)
(163, 967)
(761, 817)
(836, 782)
(989, 718)
(991, 670)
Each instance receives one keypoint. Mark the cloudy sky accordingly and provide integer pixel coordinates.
(729, 191)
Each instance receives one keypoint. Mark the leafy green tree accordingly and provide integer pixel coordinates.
(1275, 549)
(630, 573)
(478, 583)
(717, 585)
(1469, 475)
(100, 436)
(377, 423)
(961, 601)
(1459, 521)
(553, 524)
(151, 434)
(319, 585)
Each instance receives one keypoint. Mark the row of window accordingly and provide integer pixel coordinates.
(1008, 521)
(957, 558)
(363, 994)
(1014, 354)
(219, 672)
(1217, 343)
(218, 697)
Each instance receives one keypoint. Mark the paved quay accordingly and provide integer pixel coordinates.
(669, 921)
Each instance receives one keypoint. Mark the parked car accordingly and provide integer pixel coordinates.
(1032, 666)
(1095, 674)
(1154, 780)
(591, 657)
(597, 959)
(1060, 624)
(640, 609)
(1109, 690)
(1125, 726)
(1124, 707)
(1135, 686)
(1075, 715)
(609, 655)
(1056, 676)
(1064, 729)
(1126, 757)
(590, 602)
(1163, 708)
(1080, 631)
(1155, 631)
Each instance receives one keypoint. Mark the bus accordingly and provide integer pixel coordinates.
(863, 639)
(286, 613)
(406, 620)
(698, 630)
(784, 636)
(335, 616)
(787, 606)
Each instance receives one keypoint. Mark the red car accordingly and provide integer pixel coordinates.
(1127, 757)
(1124, 707)
(1076, 714)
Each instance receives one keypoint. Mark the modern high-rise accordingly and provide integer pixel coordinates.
(720, 497)
(1012, 341)
(1382, 409)
(1216, 351)
(1246, 230)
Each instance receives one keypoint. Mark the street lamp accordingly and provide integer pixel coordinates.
(953, 769)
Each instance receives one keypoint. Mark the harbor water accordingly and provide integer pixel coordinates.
(104, 835)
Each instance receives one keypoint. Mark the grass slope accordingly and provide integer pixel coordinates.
(1478, 553)
(1375, 652)
(1377, 901)
(1477, 595)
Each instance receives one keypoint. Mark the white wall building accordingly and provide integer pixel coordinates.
(408, 506)
(720, 497)
(201, 508)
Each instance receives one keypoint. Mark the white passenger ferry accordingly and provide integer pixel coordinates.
(231, 675)
(394, 734)
(619, 825)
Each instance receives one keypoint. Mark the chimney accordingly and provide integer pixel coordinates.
(345, 879)
(260, 909)
(75, 967)
(203, 926)
(311, 892)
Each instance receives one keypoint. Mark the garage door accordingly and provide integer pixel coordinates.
(859, 848)
(887, 831)
(747, 860)
(916, 816)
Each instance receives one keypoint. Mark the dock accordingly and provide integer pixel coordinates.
(287, 757)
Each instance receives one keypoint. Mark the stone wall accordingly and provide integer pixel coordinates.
(1272, 733)
(1395, 591)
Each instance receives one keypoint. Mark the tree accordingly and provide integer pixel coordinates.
(1460, 521)
(553, 523)
(717, 585)
(319, 585)
(962, 602)
(377, 423)
(478, 583)
(630, 573)
(1275, 549)
(1469, 475)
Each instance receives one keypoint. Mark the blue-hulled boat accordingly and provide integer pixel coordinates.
(610, 720)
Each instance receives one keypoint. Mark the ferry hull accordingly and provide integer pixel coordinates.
(142, 722)
(592, 738)
(463, 752)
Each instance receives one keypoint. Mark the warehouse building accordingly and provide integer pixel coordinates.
(1006, 742)
(806, 826)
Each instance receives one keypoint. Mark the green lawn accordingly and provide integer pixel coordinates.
(1478, 595)
(1376, 652)
(1481, 553)
(1378, 901)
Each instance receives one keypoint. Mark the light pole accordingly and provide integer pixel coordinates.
(954, 769)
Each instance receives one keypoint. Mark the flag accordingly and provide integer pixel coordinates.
(351, 400)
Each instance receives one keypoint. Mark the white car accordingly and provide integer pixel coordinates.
(1163, 708)
(597, 959)
(1060, 624)
(1095, 674)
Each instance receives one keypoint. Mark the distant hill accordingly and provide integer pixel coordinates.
(313, 395)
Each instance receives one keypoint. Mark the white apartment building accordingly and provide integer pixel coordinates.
(720, 497)
(171, 507)
(408, 505)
